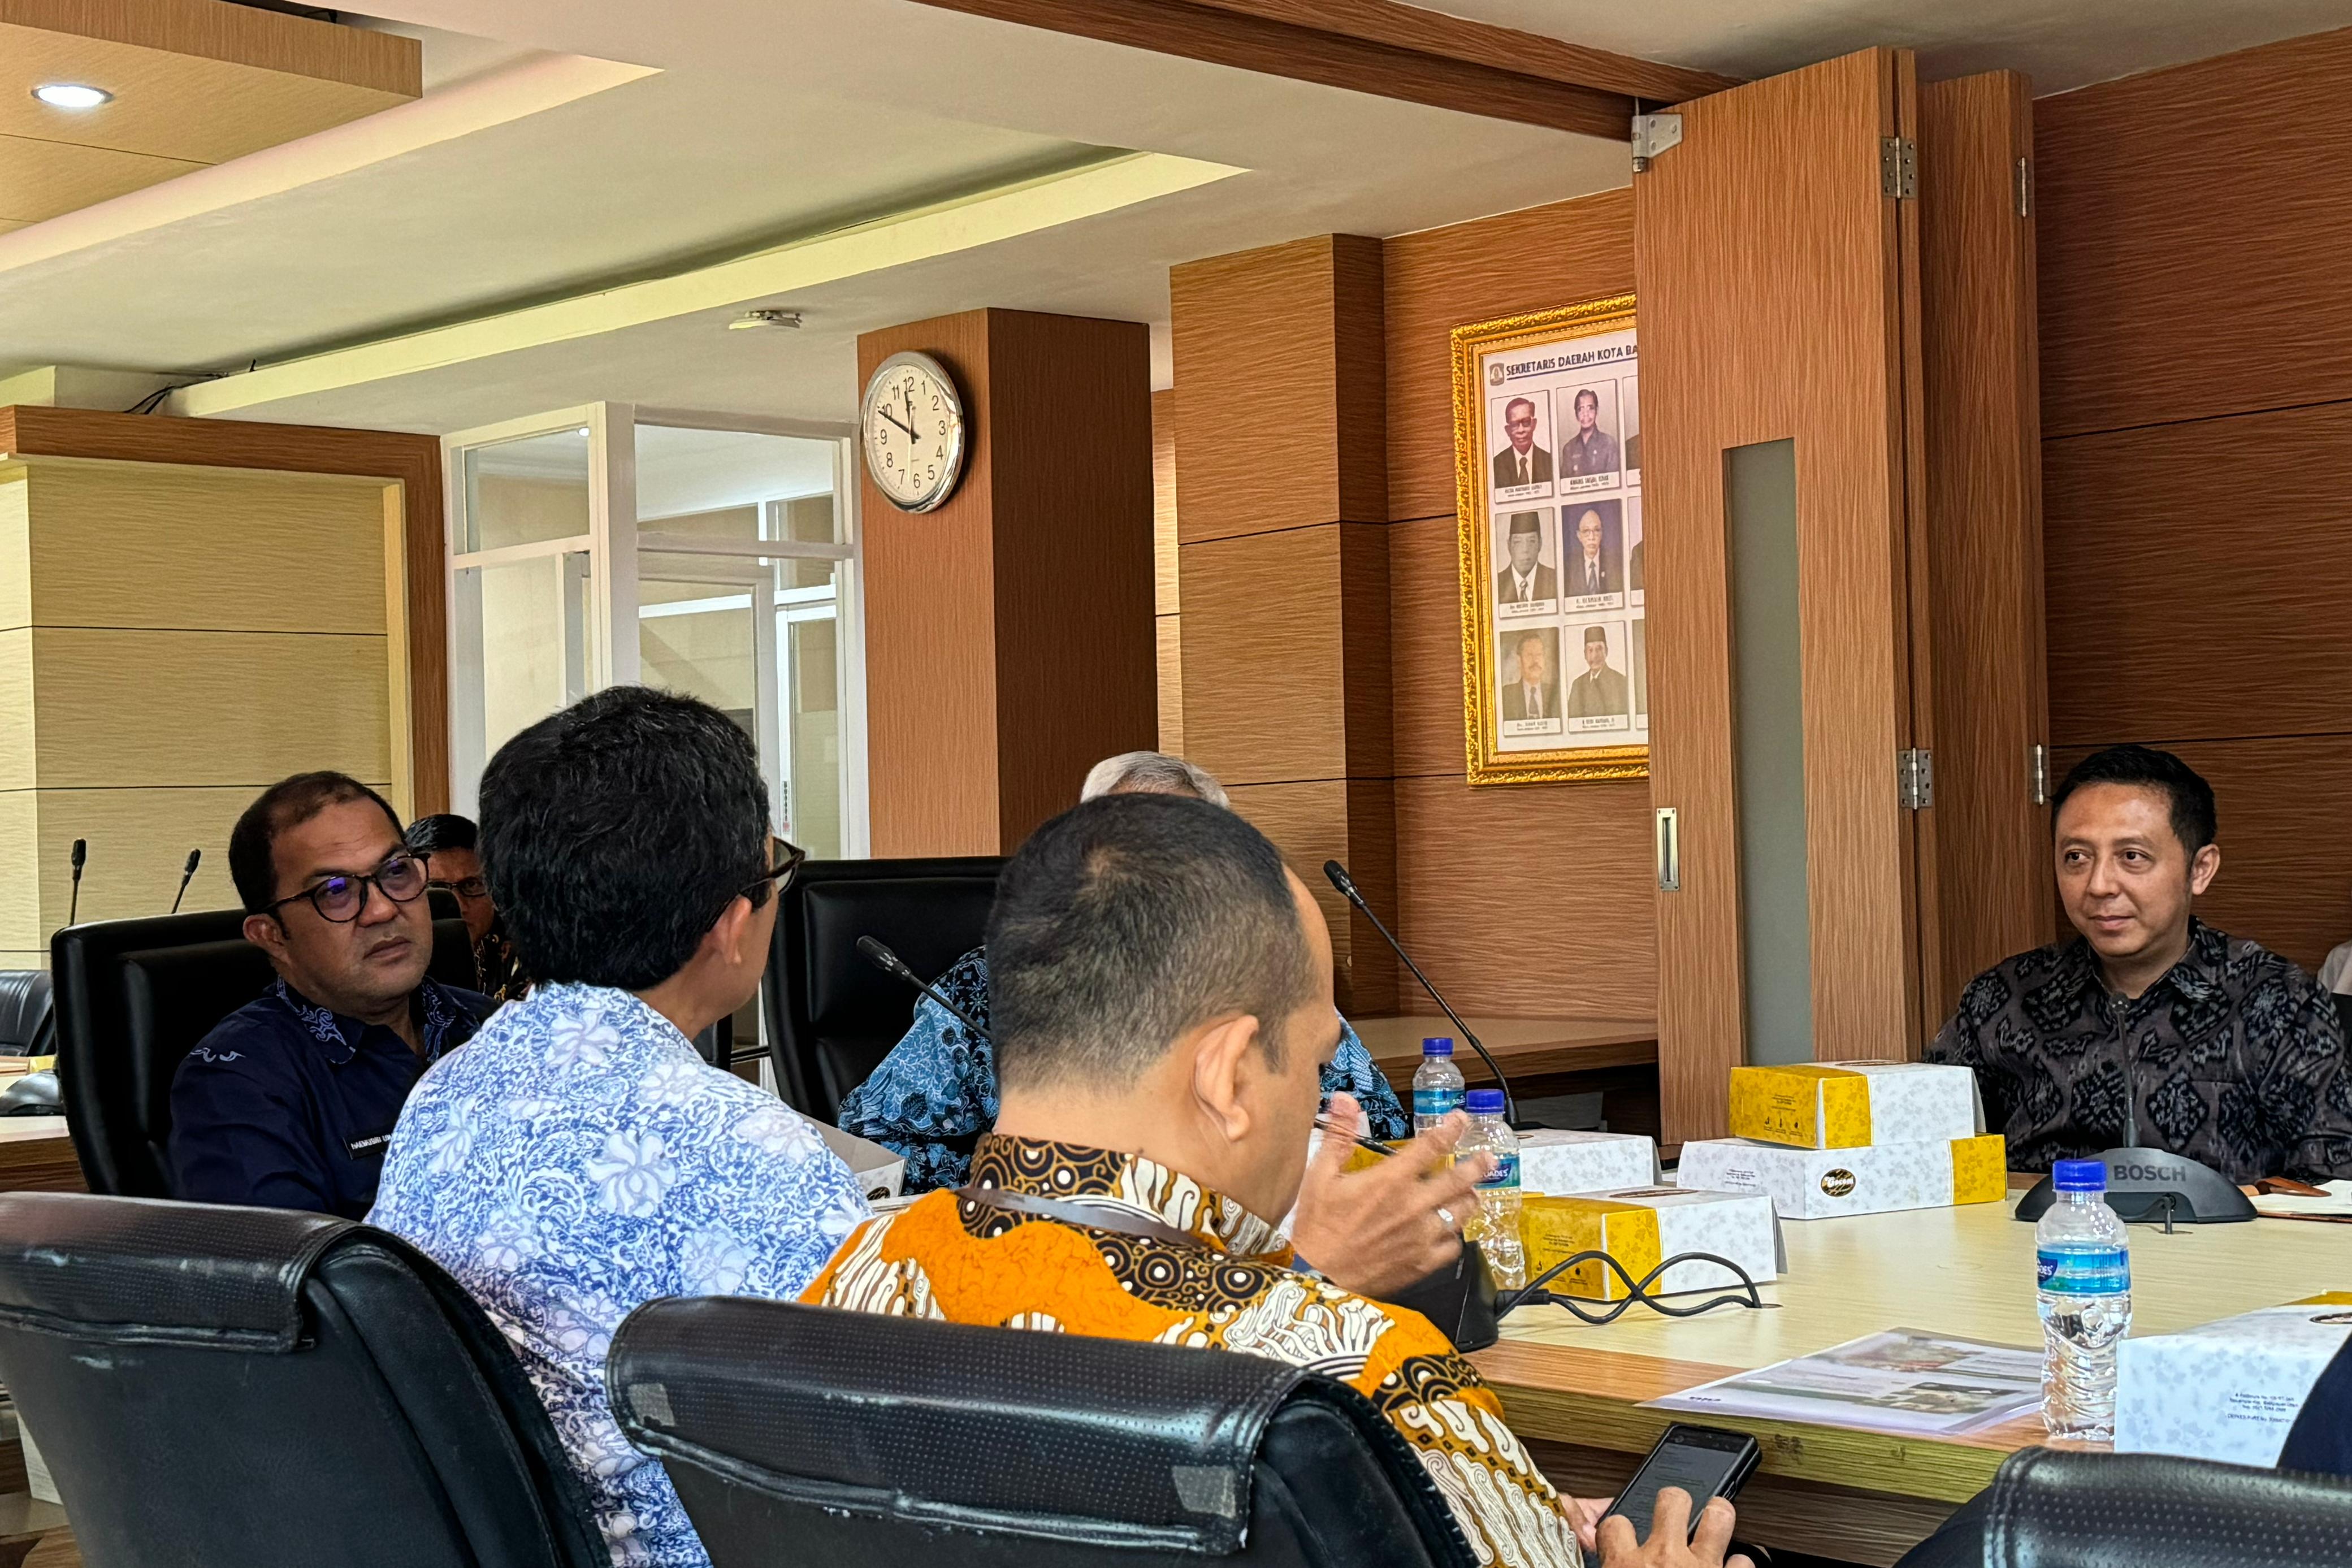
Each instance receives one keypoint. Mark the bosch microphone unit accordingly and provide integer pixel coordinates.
(1348, 890)
(890, 964)
(187, 875)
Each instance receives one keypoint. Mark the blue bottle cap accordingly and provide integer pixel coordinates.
(1437, 1046)
(2079, 1176)
(1489, 1102)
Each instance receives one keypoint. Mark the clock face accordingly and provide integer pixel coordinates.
(912, 430)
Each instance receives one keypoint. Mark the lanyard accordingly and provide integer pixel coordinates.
(1088, 1216)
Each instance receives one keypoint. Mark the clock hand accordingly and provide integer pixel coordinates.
(894, 420)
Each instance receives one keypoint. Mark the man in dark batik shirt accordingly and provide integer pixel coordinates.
(2237, 1056)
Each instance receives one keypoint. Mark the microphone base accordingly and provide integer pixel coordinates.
(2154, 1185)
(1458, 1300)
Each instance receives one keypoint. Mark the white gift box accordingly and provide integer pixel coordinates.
(1852, 1105)
(2229, 1390)
(1559, 1161)
(879, 1173)
(1643, 1227)
(1821, 1183)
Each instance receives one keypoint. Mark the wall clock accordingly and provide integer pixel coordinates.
(912, 430)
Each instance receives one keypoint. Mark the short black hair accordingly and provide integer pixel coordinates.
(2194, 820)
(446, 830)
(1127, 921)
(1584, 392)
(289, 802)
(616, 832)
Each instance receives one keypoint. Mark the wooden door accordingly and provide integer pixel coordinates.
(1779, 304)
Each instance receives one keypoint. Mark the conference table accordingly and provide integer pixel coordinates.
(1575, 1391)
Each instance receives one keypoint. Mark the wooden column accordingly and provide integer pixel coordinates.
(1281, 460)
(1009, 634)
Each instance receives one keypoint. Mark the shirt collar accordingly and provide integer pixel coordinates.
(2196, 977)
(1112, 1179)
(341, 1035)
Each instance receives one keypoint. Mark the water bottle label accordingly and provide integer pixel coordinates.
(2105, 1271)
(1436, 1102)
(1505, 1172)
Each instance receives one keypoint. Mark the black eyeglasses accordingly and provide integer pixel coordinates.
(465, 888)
(341, 899)
(784, 858)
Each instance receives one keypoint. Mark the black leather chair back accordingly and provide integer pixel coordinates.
(2344, 1012)
(832, 1017)
(274, 1389)
(2050, 1509)
(133, 998)
(806, 1435)
(29, 1025)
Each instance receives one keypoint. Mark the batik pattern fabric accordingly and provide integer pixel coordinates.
(935, 1093)
(2238, 1057)
(577, 1160)
(948, 1258)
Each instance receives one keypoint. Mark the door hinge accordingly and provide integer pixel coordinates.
(2025, 187)
(1652, 135)
(1898, 168)
(1915, 773)
(2037, 772)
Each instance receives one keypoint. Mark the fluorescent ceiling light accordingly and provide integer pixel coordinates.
(70, 95)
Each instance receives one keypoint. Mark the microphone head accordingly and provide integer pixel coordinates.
(190, 868)
(1340, 878)
(881, 957)
(80, 852)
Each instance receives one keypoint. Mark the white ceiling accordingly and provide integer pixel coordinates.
(770, 120)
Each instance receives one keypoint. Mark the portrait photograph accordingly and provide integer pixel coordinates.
(1600, 695)
(1526, 579)
(1629, 439)
(1634, 548)
(1589, 459)
(1528, 697)
(1522, 463)
(1641, 677)
(1592, 574)
(1544, 551)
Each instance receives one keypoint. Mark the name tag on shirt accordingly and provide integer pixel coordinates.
(370, 1146)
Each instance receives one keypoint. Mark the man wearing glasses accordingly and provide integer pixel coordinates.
(289, 1102)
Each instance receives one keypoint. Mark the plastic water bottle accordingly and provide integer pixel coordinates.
(2084, 1261)
(1496, 1228)
(1436, 1084)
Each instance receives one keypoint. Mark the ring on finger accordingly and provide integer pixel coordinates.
(1445, 1218)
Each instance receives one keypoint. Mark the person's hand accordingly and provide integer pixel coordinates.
(1585, 1515)
(1377, 1231)
(1671, 1543)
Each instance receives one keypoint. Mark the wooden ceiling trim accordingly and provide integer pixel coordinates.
(239, 35)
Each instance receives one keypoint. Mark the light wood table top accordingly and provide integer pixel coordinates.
(1966, 1271)
(1534, 1047)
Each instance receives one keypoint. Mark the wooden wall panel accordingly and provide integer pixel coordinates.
(1352, 821)
(931, 626)
(117, 709)
(1076, 652)
(15, 548)
(1535, 901)
(1009, 634)
(1442, 278)
(1265, 658)
(2285, 879)
(17, 734)
(1267, 435)
(2187, 603)
(2187, 268)
(1984, 539)
(139, 839)
(1170, 638)
(1166, 603)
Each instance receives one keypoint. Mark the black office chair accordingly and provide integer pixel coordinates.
(799, 1435)
(2344, 1012)
(28, 1022)
(833, 1016)
(133, 998)
(2051, 1509)
(275, 1390)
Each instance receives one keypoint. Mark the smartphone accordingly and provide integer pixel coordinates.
(1705, 1461)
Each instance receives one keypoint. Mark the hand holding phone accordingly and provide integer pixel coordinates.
(1703, 1463)
(1674, 1541)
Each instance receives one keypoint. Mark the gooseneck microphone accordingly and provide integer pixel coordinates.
(80, 854)
(889, 962)
(187, 875)
(1346, 886)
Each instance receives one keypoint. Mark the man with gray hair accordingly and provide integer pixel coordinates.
(935, 1093)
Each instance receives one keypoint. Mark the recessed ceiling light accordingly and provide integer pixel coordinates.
(70, 95)
(750, 320)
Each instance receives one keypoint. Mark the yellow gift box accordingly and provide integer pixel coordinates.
(1828, 1184)
(1854, 1105)
(1640, 1228)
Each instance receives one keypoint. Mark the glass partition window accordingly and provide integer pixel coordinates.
(530, 624)
(527, 491)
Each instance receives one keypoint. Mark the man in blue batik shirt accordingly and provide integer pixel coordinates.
(578, 1158)
(935, 1093)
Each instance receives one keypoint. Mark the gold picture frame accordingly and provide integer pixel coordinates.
(1477, 464)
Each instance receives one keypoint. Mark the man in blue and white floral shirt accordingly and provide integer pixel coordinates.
(578, 1158)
